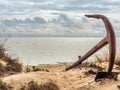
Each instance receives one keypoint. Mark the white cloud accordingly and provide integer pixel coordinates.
(5, 2)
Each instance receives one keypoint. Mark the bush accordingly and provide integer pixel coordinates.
(39, 69)
(14, 65)
(104, 57)
(35, 86)
(11, 64)
(4, 86)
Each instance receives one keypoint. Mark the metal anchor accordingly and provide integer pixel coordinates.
(109, 39)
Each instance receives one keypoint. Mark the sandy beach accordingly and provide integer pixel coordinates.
(79, 78)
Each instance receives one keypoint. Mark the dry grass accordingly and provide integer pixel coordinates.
(14, 65)
(39, 69)
(10, 65)
(4, 86)
(98, 64)
(35, 69)
(90, 65)
(117, 61)
(32, 85)
(104, 57)
(90, 72)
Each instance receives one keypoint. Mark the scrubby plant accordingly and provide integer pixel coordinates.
(2, 68)
(2, 48)
(49, 86)
(39, 69)
(11, 65)
(14, 65)
(32, 85)
(104, 57)
(117, 60)
(27, 69)
(5, 86)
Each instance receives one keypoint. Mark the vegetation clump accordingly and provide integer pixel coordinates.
(32, 85)
(5, 86)
(39, 69)
(7, 64)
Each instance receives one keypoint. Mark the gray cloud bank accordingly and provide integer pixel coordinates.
(56, 17)
(62, 25)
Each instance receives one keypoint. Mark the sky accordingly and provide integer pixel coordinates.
(57, 18)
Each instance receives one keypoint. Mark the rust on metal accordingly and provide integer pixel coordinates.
(109, 39)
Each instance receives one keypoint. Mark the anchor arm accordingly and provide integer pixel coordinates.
(89, 53)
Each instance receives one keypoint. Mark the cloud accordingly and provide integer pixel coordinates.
(57, 17)
(28, 8)
(62, 25)
(12, 7)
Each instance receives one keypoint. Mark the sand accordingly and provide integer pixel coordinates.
(79, 78)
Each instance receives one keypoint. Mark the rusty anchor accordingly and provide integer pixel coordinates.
(109, 39)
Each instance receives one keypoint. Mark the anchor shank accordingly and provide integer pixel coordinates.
(112, 44)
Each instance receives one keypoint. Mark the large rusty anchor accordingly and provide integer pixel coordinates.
(109, 39)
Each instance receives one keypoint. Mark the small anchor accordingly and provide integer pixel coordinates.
(109, 39)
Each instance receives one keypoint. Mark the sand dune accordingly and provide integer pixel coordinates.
(79, 78)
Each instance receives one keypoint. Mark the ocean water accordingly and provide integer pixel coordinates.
(50, 50)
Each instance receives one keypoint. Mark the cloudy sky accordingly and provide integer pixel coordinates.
(57, 17)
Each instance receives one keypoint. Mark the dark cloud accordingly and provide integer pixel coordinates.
(14, 21)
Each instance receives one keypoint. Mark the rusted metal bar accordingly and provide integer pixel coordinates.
(109, 39)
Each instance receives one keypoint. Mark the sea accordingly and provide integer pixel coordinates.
(51, 50)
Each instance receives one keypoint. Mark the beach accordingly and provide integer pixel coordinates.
(79, 78)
